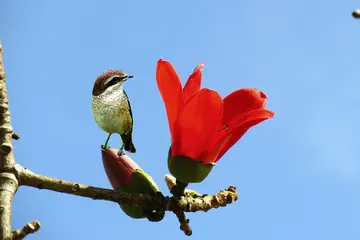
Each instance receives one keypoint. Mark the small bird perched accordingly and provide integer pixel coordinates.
(112, 109)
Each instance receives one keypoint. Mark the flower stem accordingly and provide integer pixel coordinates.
(179, 189)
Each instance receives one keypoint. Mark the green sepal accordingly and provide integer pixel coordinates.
(141, 182)
(188, 170)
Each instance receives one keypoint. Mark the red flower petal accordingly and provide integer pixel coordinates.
(236, 105)
(197, 123)
(170, 89)
(212, 156)
(251, 119)
(194, 82)
(242, 101)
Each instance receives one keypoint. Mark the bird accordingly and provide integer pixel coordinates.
(111, 108)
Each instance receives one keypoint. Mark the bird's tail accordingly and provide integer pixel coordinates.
(128, 144)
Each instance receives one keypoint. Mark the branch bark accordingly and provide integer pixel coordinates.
(8, 181)
(26, 230)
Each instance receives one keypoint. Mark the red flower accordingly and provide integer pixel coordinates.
(204, 126)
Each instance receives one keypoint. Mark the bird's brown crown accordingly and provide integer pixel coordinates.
(100, 83)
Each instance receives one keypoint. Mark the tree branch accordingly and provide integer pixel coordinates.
(187, 203)
(7, 157)
(26, 230)
(8, 181)
(146, 201)
(31, 179)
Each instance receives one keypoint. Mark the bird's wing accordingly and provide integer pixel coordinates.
(127, 99)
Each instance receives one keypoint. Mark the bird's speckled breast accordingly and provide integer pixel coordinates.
(111, 112)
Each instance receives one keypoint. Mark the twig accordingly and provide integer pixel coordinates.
(184, 223)
(26, 230)
(8, 181)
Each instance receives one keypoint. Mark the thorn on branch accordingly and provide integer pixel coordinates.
(26, 230)
(15, 136)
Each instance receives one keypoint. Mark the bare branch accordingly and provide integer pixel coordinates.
(26, 230)
(184, 223)
(31, 179)
(8, 181)
(178, 206)
(7, 157)
(146, 201)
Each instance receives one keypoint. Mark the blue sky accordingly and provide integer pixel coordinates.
(298, 174)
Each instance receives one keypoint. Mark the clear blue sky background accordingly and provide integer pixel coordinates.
(298, 175)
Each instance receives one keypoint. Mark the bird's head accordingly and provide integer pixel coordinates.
(109, 81)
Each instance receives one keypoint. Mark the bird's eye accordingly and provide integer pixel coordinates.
(113, 81)
(116, 79)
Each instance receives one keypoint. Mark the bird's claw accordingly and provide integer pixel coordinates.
(121, 151)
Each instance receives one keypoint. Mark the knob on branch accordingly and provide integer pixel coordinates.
(356, 13)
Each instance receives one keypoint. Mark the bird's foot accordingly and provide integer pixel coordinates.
(106, 145)
(121, 151)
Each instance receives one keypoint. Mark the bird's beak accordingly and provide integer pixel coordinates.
(126, 78)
